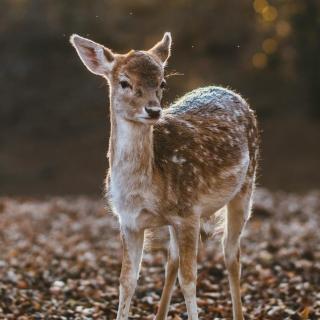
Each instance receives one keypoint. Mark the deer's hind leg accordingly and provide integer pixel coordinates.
(238, 213)
(171, 276)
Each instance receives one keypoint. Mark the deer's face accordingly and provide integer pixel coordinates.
(137, 87)
(136, 79)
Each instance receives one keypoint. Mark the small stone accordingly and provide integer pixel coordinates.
(57, 287)
(88, 311)
(59, 284)
(79, 309)
(3, 263)
(21, 284)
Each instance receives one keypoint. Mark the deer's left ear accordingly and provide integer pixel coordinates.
(163, 48)
(97, 58)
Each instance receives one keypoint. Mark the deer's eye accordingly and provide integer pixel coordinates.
(163, 85)
(125, 84)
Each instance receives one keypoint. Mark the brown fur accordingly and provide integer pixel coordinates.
(176, 171)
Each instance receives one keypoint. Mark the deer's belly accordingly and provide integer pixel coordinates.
(222, 190)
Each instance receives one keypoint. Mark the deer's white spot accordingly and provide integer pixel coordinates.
(177, 159)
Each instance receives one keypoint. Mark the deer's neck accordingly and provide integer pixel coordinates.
(131, 148)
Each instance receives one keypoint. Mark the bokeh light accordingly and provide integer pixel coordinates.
(269, 13)
(269, 45)
(259, 60)
(259, 5)
(283, 28)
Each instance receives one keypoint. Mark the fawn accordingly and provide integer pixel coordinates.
(173, 167)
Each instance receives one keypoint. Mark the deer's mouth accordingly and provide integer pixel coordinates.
(149, 119)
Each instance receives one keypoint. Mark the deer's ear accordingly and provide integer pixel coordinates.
(163, 48)
(97, 58)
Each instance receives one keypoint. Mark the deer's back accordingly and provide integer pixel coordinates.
(206, 140)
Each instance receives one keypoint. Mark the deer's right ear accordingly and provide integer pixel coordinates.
(97, 58)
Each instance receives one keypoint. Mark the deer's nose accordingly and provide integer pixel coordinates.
(153, 112)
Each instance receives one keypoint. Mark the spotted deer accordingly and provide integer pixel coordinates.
(173, 167)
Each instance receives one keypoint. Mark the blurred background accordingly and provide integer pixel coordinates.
(54, 114)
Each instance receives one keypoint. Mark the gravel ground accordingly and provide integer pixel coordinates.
(60, 258)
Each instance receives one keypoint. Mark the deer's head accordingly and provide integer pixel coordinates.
(136, 79)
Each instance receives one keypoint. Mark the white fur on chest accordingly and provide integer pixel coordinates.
(130, 190)
(129, 201)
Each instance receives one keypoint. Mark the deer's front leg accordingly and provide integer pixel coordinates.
(132, 242)
(188, 236)
(171, 276)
